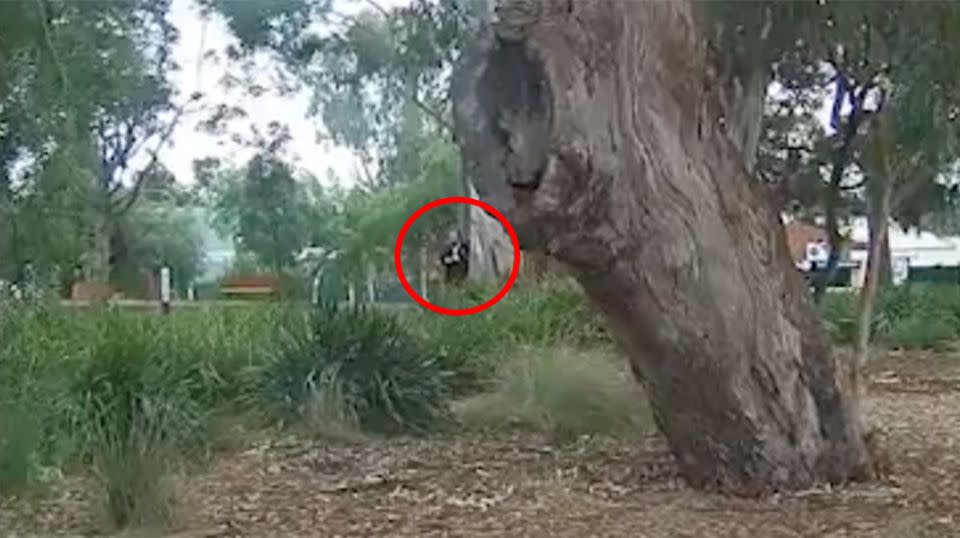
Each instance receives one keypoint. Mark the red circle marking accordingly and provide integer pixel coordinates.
(457, 311)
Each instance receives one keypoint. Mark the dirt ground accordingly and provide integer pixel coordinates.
(523, 486)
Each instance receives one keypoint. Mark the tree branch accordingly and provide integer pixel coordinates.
(125, 140)
(376, 5)
(54, 55)
(435, 115)
(122, 206)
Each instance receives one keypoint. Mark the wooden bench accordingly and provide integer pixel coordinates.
(250, 286)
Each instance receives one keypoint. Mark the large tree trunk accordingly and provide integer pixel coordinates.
(594, 126)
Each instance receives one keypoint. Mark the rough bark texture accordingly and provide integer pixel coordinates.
(873, 278)
(880, 194)
(97, 263)
(593, 127)
(491, 251)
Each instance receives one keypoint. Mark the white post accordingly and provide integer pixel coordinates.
(371, 288)
(165, 290)
(315, 290)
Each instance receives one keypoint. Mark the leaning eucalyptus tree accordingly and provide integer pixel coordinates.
(620, 137)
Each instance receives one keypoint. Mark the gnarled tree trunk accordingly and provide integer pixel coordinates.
(491, 251)
(595, 128)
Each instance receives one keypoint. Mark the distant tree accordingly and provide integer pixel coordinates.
(265, 209)
(154, 235)
(85, 94)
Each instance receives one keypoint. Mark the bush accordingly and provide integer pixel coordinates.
(35, 353)
(137, 413)
(541, 315)
(562, 394)
(839, 314)
(922, 331)
(914, 316)
(20, 439)
(366, 362)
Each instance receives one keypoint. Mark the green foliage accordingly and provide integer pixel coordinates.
(543, 315)
(154, 235)
(923, 331)
(83, 95)
(127, 392)
(20, 442)
(266, 209)
(372, 220)
(137, 412)
(379, 78)
(839, 314)
(909, 317)
(561, 394)
(366, 361)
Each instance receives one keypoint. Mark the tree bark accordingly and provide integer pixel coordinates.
(491, 251)
(880, 192)
(98, 256)
(834, 240)
(874, 277)
(536, 266)
(424, 272)
(878, 225)
(595, 127)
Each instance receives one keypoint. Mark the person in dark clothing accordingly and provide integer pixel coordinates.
(455, 259)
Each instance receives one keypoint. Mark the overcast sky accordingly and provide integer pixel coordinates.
(201, 73)
(198, 73)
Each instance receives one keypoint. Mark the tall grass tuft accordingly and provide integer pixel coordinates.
(563, 394)
(545, 314)
(362, 365)
(137, 413)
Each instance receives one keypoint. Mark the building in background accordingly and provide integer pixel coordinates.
(915, 255)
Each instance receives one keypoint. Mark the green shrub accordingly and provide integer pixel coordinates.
(137, 413)
(839, 314)
(545, 314)
(367, 362)
(917, 316)
(20, 440)
(563, 394)
(225, 346)
(35, 345)
(922, 330)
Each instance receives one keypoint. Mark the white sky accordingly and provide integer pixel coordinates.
(199, 74)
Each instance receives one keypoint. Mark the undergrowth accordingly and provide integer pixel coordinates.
(907, 317)
(540, 315)
(132, 397)
(561, 393)
(359, 366)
